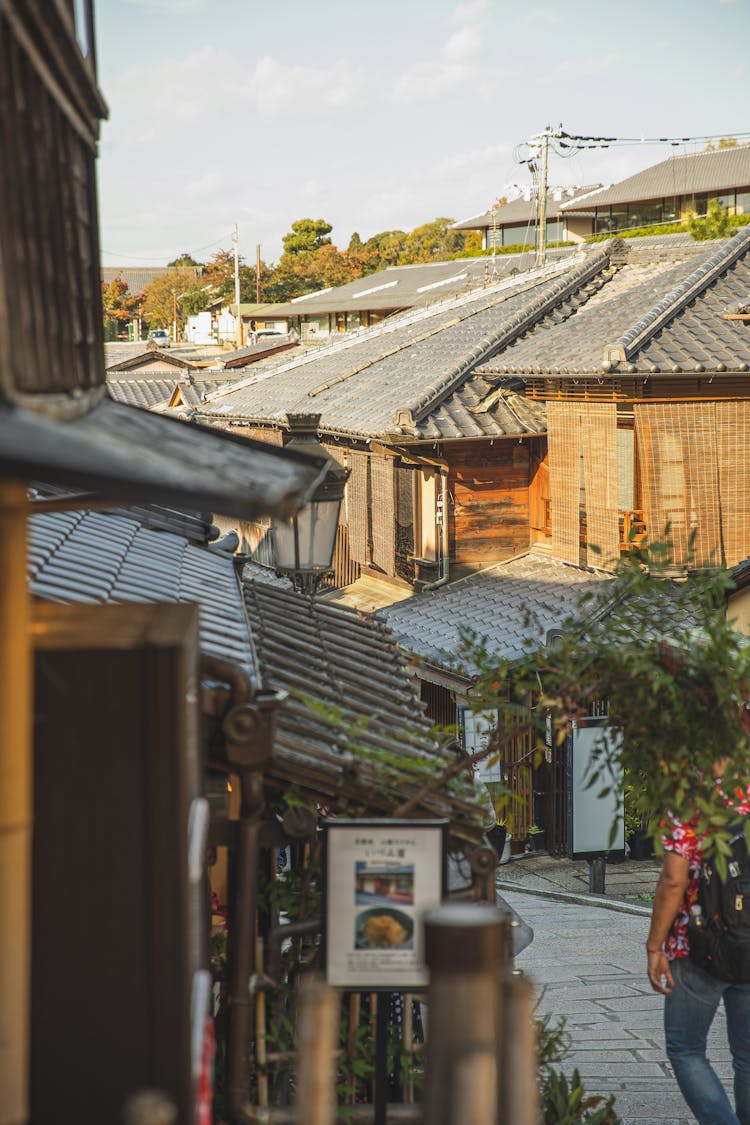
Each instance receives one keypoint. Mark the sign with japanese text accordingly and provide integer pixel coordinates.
(379, 878)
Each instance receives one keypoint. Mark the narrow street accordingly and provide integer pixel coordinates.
(590, 962)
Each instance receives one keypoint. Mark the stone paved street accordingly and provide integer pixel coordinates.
(589, 958)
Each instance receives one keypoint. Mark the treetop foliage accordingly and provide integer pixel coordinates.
(309, 261)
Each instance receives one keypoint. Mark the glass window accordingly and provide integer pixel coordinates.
(742, 206)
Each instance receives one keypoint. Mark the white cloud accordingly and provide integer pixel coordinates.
(203, 186)
(458, 62)
(465, 44)
(474, 10)
(542, 16)
(277, 88)
(589, 67)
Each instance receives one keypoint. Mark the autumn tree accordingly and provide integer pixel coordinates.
(174, 295)
(119, 306)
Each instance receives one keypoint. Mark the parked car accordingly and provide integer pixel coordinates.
(160, 337)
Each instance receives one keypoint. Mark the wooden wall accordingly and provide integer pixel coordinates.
(489, 484)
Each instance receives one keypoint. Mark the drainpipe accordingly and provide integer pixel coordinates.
(16, 804)
(442, 520)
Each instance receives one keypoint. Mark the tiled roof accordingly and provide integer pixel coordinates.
(150, 391)
(144, 391)
(522, 210)
(493, 603)
(406, 287)
(668, 321)
(112, 557)
(394, 377)
(154, 360)
(371, 747)
(138, 277)
(693, 173)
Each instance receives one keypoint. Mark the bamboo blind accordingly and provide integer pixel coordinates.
(383, 503)
(357, 506)
(680, 459)
(598, 429)
(563, 438)
(733, 449)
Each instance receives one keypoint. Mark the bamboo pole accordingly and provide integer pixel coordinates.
(466, 950)
(519, 1095)
(318, 1036)
(16, 806)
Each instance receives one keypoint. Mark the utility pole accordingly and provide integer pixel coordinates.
(238, 321)
(539, 145)
(541, 257)
(257, 273)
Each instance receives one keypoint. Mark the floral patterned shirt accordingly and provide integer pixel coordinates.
(681, 837)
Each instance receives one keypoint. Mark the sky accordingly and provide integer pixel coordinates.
(384, 114)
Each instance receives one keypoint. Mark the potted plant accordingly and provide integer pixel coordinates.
(536, 838)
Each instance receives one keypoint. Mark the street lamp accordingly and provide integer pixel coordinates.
(303, 545)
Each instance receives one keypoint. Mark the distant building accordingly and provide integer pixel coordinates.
(666, 192)
(513, 223)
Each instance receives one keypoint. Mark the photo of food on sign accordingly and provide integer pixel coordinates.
(383, 928)
(386, 884)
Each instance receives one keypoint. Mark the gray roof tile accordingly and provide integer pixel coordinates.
(492, 603)
(99, 558)
(349, 663)
(396, 375)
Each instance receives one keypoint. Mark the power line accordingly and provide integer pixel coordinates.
(197, 250)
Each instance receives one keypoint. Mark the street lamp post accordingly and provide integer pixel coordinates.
(304, 544)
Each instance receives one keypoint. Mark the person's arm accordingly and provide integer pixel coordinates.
(670, 891)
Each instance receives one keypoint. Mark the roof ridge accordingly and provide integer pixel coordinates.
(383, 328)
(409, 418)
(631, 341)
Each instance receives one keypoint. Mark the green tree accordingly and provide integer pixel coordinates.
(714, 224)
(184, 259)
(432, 242)
(306, 235)
(675, 676)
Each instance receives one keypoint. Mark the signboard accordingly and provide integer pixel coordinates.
(590, 817)
(379, 878)
(474, 729)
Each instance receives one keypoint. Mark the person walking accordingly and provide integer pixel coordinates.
(693, 994)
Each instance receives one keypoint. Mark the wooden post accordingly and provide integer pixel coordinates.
(519, 1092)
(467, 953)
(261, 1046)
(16, 806)
(318, 1040)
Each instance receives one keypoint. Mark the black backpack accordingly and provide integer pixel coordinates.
(719, 930)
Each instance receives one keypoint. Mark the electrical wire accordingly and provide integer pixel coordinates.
(192, 253)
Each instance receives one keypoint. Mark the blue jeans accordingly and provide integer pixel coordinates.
(688, 1012)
